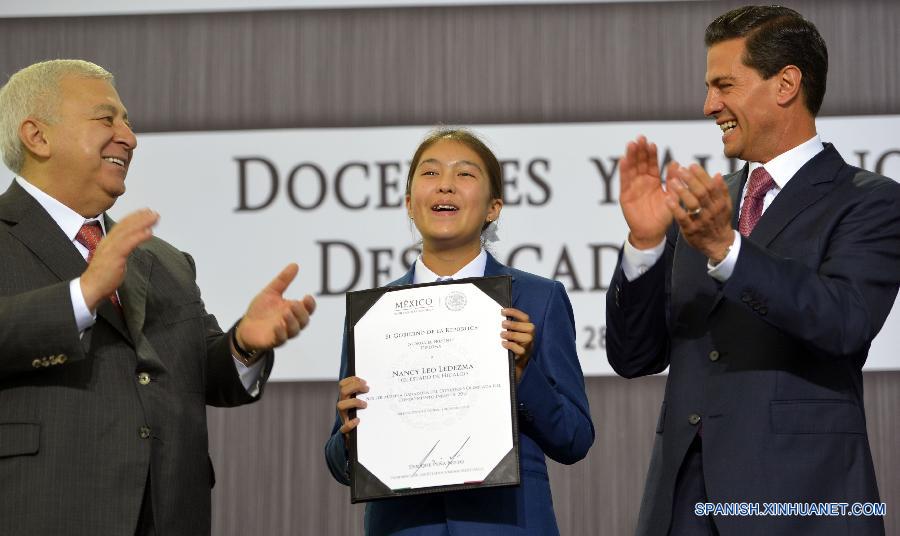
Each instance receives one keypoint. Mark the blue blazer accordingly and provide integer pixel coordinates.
(554, 420)
(770, 362)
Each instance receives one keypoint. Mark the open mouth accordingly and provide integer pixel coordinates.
(727, 126)
(444, 208)
(113, 160)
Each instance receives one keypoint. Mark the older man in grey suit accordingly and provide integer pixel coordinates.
(107, 355)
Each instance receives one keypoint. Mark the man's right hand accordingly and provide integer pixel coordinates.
(106, 271)
(641, 194)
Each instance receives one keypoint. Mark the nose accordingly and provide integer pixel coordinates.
(446, 184)
(713, 104)
(125, 135)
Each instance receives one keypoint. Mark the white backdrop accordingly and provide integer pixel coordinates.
(561, 218)
(334, 197)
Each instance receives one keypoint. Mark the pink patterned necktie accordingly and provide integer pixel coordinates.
(760, 183)
(89, 236)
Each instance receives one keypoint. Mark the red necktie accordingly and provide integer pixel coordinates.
(89, 236)
(760, 183)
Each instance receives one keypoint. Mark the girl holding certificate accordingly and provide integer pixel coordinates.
(454, 192)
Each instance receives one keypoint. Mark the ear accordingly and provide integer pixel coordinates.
(788, 85)
(32, 133)
(408, 207)
(494, 208)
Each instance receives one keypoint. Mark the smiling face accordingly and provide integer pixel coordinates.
(90, 145)
(743, 104)
(450, 196)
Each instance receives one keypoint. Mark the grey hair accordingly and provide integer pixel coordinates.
(34, 92)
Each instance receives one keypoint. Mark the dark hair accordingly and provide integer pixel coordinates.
(776, 37)
(494, 170)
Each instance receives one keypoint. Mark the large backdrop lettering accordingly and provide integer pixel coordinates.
(245, 203)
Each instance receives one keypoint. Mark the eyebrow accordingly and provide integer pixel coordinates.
(719, 79)
(466, 162)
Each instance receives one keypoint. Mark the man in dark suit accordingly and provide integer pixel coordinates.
(107, 356)
(761, 291)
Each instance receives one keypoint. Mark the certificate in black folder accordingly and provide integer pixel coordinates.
(441, 401)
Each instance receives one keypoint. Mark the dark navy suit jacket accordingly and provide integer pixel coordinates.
(769, 363)
(554, 420)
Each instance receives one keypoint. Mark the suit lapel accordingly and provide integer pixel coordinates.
(808, 185)
(493, 267)
(133, 294)
(133, 291)
(405, 279)
(39, 233)
(735, 183)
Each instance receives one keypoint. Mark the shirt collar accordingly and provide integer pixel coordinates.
(67, 219)
(788, 163)
(475, 268)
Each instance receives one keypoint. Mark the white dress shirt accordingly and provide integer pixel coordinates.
(475, 268)
(781, 168)
(70, 222)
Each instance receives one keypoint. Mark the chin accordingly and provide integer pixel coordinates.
(114, 187)
(732, 152)
(444, 240)
(110, 198)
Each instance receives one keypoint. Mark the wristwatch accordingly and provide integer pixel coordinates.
(243, 355)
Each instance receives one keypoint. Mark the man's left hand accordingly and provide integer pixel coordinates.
(701, 206)
(271, 319)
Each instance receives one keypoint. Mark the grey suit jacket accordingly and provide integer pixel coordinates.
(85, 420)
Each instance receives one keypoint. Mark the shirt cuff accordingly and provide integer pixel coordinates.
(635, 262)
(250, 375)
(84, 318)
(722, 271)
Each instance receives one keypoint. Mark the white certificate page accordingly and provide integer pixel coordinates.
(439, 406)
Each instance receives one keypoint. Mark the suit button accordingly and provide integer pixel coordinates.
(143, 378)
(694, 419)
(144, 432)
(714, 355)
(746, 298)
(763, 310)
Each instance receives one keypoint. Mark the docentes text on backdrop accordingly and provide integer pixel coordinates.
(245, 203)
